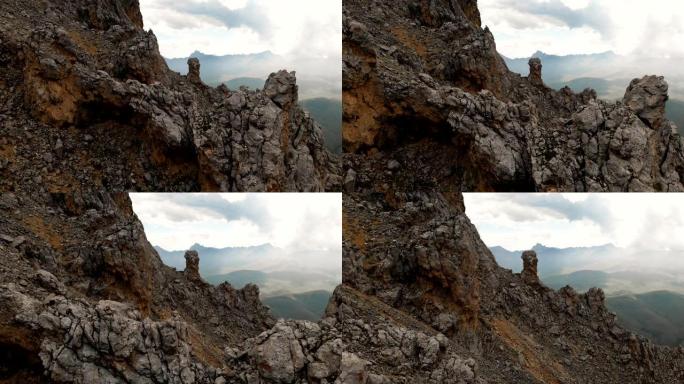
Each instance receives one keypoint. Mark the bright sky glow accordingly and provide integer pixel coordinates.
(636, 220)
(561, 27)
(293, 221)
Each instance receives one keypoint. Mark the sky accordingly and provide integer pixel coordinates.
(563, 27)
(637, 221)
(219, 27)
(292, 221)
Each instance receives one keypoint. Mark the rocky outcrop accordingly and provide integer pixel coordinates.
(192, 265)
(64, 322)
(194, 71)
(424, 85)
(85, 298)
(535, 76)
(646, 98)
(529, 271)
(416, 252)
(87, 101)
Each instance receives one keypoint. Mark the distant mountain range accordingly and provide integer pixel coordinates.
(220, 260)
(553, 261)
(281, 282)
(609, 74)
(285, 292)
(298, 278)
(315, 76)
(615, 283)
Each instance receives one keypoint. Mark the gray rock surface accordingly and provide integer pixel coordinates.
(417, 252)
(424, 85)
(86, 298)
(87, 101)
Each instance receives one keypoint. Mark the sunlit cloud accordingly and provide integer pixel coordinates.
(635, 221)
(562, 27)
(293, 221)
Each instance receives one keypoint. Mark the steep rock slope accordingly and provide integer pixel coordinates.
(418, 253)
(85, 295)
(423, 86)
(87, 100)
(84, 298)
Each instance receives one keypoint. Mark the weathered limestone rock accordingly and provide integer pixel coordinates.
(194, 70)
(529, 272)
(535, 76)
(646, 97)
(192, 265)
(281, 88)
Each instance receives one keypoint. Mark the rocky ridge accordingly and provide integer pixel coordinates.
(423, 86)
(87, 101)
(418, 253)
(85, 298)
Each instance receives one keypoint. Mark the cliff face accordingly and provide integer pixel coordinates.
(85, 298)
(418, 253)
(424, 86)
(86, 100)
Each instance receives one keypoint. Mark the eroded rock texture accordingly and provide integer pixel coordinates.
(417, 252)
(84, 298)
(424, 86)
(87, 101)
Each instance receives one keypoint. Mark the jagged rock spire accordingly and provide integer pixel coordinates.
(192, 265)
(646, 97)
(194, 70)
(535, 76)
(529, 272)
(281, 87)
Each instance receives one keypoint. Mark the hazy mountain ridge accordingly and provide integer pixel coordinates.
(314, 77)
(608, 267)
(553, 261)
(283, 282)
(219, 260)
(274, 270)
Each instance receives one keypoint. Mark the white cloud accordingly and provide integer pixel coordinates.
(309, 28)
(293, 221)
(636, 221)
(563, 27)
